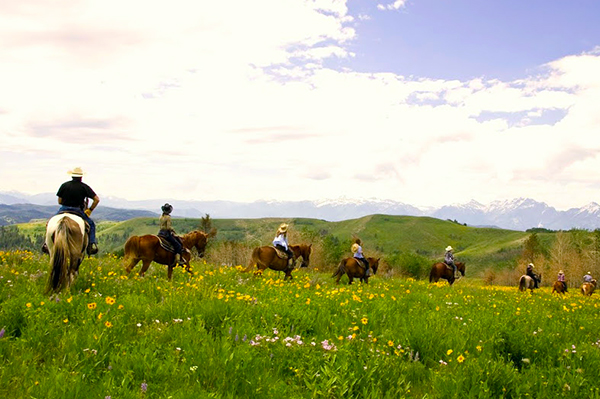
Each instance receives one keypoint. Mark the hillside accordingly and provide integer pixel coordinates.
(381, 234)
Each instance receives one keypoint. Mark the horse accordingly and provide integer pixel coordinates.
(558, 287)
(527, 283)
(588, 289)
(441, 270)
(353, 269)
(266, 257)
(147, 248)
(67, 240)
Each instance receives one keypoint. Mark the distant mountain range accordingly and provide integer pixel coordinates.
(516, 214)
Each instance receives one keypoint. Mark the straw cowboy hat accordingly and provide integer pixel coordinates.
(449, 248)
(76, 172)
(560, 272)
(282, 228)
(354, 247)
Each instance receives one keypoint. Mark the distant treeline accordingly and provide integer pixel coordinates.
(11, 238)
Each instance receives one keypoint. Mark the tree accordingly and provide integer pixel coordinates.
(531, 248)
(206, 223)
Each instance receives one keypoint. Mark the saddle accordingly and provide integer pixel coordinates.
(362, 262)
(166, 245)
(87, 225)
(280, 253)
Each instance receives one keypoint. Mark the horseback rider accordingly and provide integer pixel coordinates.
(360, 257)
(531, 274)
(280, 242)
(561, 278)
(449, 260)
(73, 197)
(166, 231)
(588, 278)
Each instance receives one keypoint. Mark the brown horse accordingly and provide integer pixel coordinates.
(354, 269)
(266, 257)
(441, 270)
(66, 240)
(147, 248)
(559, 287)
(588, 289)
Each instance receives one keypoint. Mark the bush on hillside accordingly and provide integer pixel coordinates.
(410, 264)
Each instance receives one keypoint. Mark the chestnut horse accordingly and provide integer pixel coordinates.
(441, 270)
(67, 240)
(147, 248)
(559, 287)
(266, 257)
(588, 289)
(354, 269)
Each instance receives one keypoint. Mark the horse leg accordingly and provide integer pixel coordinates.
(170, 272)
(350, 279)
(130, 264)
(145, 266)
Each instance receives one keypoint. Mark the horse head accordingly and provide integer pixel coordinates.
(196, 239)
(302, 251)
(374, 264)
(461, 267)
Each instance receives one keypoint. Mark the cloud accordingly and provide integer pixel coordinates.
(396, 5)
(198, 96)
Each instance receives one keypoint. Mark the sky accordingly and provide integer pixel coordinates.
(426, 102)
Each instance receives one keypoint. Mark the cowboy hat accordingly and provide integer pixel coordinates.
(354, 247)
(282, 228)
(449, 248)
(560, 272)
(531, 264)
(76, 172)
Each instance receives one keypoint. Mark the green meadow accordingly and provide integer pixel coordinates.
(222, 333)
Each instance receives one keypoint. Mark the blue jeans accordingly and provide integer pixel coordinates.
(85, 217)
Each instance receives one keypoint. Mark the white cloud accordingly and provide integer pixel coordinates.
(396, 5)
(232, 100)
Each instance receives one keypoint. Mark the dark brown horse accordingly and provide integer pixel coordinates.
(147, 248)
(441, 270)
(266, 257)
(354, 269)
(66, 240)
(559, 287)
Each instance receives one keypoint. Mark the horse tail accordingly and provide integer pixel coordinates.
(253, 260)
(522, 283)
(59, 259)
(132, 246)
(431, 274)
(340, 270)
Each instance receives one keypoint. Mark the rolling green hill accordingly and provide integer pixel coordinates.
(390, 237)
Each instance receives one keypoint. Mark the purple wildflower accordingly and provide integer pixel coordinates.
(2, 332)
(144, 386)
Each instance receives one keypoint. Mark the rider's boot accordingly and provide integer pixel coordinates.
(290, 262)
(92, 249)
(178, 261)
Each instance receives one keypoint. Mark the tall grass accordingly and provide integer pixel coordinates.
(223, 333)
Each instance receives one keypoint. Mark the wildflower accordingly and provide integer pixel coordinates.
(121, 307)
(87, 291)
(390, 343)
(65, 321)
(139, 324)
(479, 348)
(91, 305)
(364, 320)
(460, 359)
(100, 315)
(28, 304)
(443, 363)
(144, 386)
(108, 324)
(449, 352)
(69, 299)
(110, 300)
(2, 332)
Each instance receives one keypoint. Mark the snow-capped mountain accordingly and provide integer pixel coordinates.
(515, 214)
